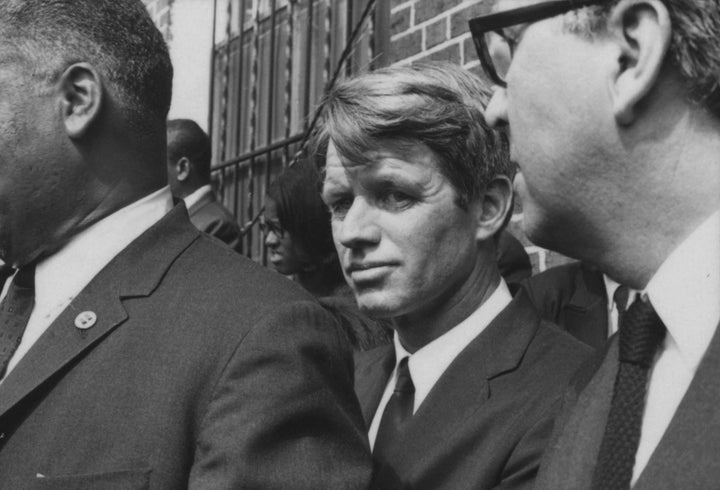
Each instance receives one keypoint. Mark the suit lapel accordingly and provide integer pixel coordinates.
(5, 272)
(372, 370)
(586, 313)
(465, 385)
(570, 460)
(151, 253)
(692, 440)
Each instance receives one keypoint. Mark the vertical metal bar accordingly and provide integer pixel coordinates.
(253, 118)
(241, 65)
(371, 34)
(349, 22)
(327, 66)
(211, 111)
(241, 61)
(271, 102)
(271, 75)
(380, 35)
(225, 85)
(288, 78)
(308, 60)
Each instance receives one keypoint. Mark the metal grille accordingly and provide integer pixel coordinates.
(272, 61)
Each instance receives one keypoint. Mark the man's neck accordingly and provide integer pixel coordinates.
(421, 327)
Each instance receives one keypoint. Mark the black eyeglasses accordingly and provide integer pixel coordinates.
(495, 49)
(267, 226)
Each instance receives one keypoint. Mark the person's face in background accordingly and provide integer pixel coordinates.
(286, 254)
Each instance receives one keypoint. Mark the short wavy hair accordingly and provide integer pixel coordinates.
(438, 104)
(694, 49)
(117, 37)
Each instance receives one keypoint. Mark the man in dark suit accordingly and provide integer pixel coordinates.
(614, 115)
(418, 188)
(135, 351)
(579, 299)
(188, 166)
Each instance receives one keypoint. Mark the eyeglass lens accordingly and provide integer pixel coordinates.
(499, 53)
(269, 226)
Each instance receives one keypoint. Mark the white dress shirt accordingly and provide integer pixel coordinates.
(63, 275)
(428, 363)
(685, 293)
(610, 288)
(196, 195)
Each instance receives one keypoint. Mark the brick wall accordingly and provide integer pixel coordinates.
(160, 11)
(422, 30)
(428, 30)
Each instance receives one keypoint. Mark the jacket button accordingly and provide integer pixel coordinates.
(85, 320)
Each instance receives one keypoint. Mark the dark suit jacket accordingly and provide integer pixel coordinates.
(211, 217)
(572, 296)
(687, 456)
(204, 370)
(512, 259)
(486, 421)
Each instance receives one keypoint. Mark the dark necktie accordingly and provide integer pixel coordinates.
(398, 410)
(15, 312)
(641, 333)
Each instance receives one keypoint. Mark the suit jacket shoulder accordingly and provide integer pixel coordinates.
(203, 370)
(211, 217)
(573, 297)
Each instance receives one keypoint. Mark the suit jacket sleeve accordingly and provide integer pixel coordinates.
(283, 413)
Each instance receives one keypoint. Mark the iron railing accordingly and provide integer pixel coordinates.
(275, 60)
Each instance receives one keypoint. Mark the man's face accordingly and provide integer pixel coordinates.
(38, 189)
(404, 244)
(557, 105)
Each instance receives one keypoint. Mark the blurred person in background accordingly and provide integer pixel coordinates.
(188, 165)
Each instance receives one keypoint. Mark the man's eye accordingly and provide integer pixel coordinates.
(339, 207)
(396, 199)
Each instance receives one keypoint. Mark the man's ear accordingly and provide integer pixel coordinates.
(643, 31)
(492, 207)
(182, 169)
(82, 93)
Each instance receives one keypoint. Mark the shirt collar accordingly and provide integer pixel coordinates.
(685, 291)
(63, 275)
(192, 199)
(429, 363)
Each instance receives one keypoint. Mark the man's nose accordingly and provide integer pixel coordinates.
(496, 111)
(358, 227)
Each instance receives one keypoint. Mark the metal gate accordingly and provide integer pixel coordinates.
(272, 61)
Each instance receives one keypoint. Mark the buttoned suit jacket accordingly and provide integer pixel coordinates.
(488, 418)
(686, 456)
(573, 297)
(211, 217)
(203, 370)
